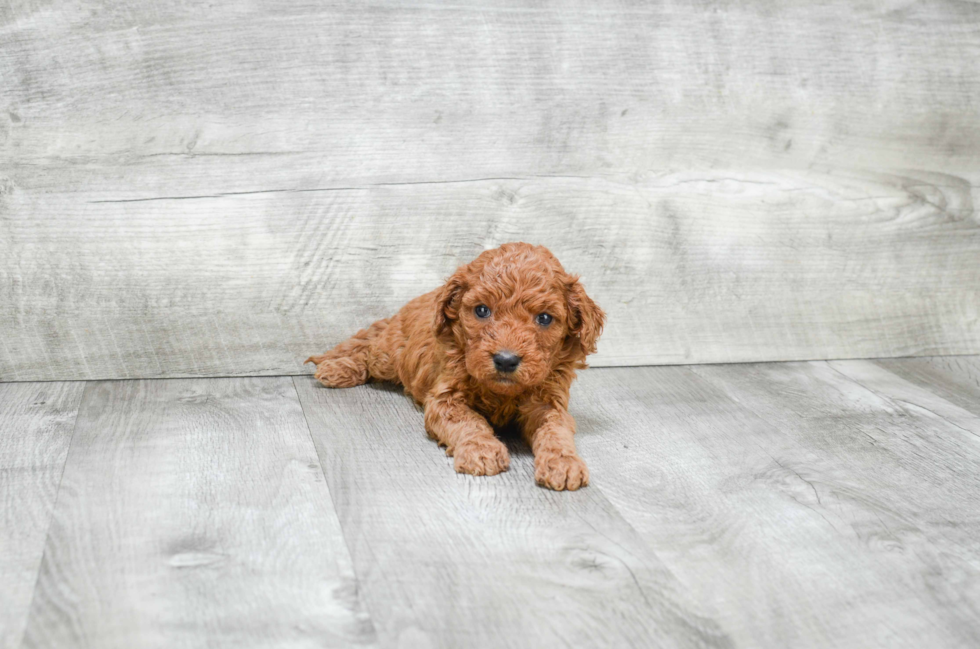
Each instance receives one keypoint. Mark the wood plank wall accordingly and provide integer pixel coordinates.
(223, 189)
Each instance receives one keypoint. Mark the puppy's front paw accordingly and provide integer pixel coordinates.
(339, 372)
(560, 472)
(481, 456)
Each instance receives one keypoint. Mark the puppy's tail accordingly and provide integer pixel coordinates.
(346, 365)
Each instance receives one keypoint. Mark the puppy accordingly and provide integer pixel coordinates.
(499, 342)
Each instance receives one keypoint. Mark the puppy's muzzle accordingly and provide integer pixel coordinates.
(506, 361)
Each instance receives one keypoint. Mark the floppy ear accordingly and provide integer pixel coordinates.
(448, 301)
(585, 317)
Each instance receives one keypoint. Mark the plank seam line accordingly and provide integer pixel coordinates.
(905, 402)
(361, 599)
(936, 414)
(338, 189)
(54, 509)
(594, 365)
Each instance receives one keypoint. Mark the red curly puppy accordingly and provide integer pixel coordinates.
(499, 342)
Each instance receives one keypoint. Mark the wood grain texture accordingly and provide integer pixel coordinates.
(801, 503)
(409, 91)
(688, 269)
(195, 514)
(36, 422)
(450, 560)
(954, 378)
(223, 190)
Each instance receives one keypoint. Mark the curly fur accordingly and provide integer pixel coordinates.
(442, 353)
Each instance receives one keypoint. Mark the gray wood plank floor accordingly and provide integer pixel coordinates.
(452, 560)
(194, 513)
(36, 421)
(806, 504)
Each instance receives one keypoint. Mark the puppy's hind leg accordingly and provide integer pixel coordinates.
(346, 365)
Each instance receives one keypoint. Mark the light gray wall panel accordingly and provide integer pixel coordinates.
(190, 191)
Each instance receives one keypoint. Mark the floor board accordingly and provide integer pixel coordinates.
(808, 504)
(447, 560)
(955, 378)
(762, 488)
(193, 513)
(36, 421)
(895, 562)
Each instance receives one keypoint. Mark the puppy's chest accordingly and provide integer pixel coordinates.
(498, 411)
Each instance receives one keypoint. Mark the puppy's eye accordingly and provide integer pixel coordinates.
(482, 311)
(543, 319)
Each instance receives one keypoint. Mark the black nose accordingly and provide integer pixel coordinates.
(506, 361)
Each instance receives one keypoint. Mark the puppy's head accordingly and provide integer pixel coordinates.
(516, 315)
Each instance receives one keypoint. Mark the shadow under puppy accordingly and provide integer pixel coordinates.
(498, 343)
